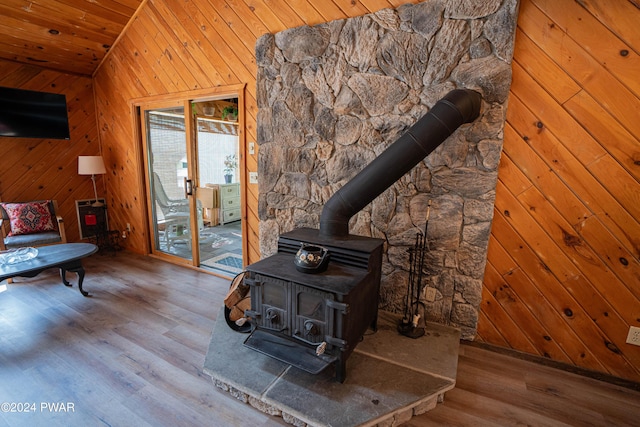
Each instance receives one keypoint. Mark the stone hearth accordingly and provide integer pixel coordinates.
(386, 385)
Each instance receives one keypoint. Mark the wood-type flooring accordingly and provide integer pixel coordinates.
(133, 353)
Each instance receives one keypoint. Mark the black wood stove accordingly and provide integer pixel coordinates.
(314, 320)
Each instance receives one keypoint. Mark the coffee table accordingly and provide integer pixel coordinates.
(65, 256)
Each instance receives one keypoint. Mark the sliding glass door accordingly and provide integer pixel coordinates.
(219, 188)
(193, 172)
(174, 215)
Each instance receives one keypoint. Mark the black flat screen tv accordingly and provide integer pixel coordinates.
(31, 114)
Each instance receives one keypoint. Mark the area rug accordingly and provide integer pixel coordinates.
(228, 262)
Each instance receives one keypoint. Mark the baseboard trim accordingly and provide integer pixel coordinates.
(600, 376)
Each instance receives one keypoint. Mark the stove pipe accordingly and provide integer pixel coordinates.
(456, 108)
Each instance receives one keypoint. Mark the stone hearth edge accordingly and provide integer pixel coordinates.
(390, 378)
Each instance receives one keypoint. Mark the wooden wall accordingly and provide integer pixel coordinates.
(35, 169)
(563, 277)
(173, 46)
(563, 274)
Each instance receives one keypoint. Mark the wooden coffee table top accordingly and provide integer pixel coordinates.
(49, 257)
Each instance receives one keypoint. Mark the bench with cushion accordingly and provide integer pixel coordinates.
(35, 223)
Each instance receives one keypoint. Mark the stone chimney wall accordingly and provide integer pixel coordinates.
(334, 96)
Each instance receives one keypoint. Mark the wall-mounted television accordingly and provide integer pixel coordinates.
(31, 114)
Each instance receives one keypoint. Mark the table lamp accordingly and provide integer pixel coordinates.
(92, 165)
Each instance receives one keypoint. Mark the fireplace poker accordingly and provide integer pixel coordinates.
(411, 325)
(423, 250)
(406, 324)
(405, 320)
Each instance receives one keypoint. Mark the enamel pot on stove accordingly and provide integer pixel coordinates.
(311, 258)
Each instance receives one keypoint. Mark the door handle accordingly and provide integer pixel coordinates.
(188, 187)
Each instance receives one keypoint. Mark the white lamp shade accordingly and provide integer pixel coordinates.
(91, 165)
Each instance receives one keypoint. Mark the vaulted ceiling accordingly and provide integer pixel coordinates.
(65, 35)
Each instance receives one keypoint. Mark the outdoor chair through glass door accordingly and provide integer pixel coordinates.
(175, 216)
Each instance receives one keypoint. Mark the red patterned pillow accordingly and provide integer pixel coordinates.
(29, 217)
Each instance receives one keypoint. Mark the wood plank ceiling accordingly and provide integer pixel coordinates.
(71, 36)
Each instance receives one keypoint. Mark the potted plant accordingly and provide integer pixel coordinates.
(230, 112)
(230, 165)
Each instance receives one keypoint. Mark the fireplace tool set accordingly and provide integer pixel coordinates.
(412, 324)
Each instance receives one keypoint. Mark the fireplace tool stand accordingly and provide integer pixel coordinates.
(412, 324)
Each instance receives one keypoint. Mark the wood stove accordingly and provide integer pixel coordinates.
(314, 320)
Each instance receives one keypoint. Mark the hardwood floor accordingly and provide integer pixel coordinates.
(133, 354)
(494, 389)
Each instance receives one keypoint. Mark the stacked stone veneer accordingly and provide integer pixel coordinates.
(333, 96)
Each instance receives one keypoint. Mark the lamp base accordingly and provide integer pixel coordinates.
(97, 204)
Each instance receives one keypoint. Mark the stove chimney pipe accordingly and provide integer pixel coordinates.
(456, 108)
